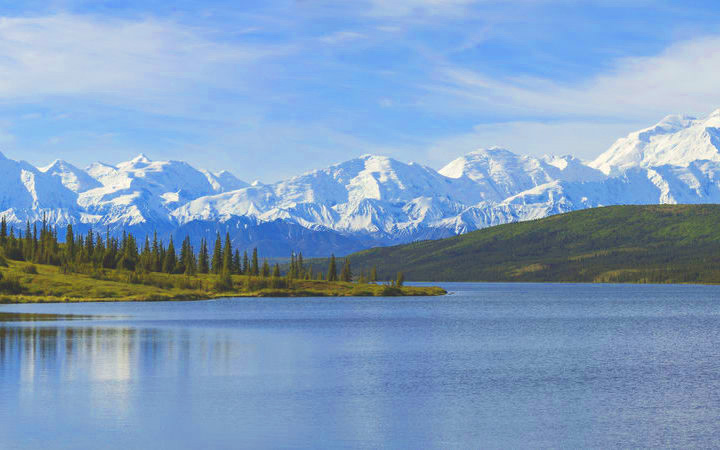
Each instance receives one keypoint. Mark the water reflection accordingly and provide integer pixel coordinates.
(111, 353)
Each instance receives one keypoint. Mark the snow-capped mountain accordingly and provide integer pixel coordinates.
(675, 140)
(371, 200)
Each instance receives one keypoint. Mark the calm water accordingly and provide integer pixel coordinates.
(492, 365)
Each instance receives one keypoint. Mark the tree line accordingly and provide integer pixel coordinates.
(93, 251)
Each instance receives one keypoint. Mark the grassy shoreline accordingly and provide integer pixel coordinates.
(50, 285)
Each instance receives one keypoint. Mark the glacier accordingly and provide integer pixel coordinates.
(367, 201)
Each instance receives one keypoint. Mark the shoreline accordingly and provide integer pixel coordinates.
(414, 291)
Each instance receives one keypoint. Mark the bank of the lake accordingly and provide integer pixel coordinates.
(36, 283)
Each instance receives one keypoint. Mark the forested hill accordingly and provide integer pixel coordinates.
(645, 244)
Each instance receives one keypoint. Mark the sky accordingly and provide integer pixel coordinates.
(273, 88)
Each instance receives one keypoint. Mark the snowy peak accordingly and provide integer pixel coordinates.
(70, 176)
(372, 199)
(140, 159)
(675, 140)
(500, 173)
(224, 181)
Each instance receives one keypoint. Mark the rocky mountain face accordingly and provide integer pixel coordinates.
(368, 201)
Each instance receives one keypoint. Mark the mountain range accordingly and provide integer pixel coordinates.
(367, 201)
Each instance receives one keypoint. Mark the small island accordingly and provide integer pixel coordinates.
(36, 268)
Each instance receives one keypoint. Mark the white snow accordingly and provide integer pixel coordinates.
(675, 161)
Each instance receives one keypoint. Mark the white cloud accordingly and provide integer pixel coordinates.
(397, 8)
(683, 78)
(341, 37)
(582, 118)
(122, 59)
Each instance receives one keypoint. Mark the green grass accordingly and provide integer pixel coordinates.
(45, 284)
(638, 244)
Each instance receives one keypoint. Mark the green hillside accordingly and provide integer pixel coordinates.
(643, 244)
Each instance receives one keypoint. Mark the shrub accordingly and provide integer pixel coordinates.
(390, 291)
(359, 291)
(223, 283)
(30, 268)
(188, 283)
(10, 286)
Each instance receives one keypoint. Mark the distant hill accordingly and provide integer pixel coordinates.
(645, 244)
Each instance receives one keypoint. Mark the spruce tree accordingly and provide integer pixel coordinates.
(227, 255)
(217, 258)
(157, 259)
(170, 258)
(276, 271)
(188, 258)
(265, 269)
(145, 262)
(69, 243)
(236, 264)
(300, 266)
(255, 268)
(346, 274)
(245, 264)
(332, 269)
(3, 231)
(203, 257)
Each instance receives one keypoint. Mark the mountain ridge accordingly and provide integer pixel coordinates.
(369, 200)
(626, 243)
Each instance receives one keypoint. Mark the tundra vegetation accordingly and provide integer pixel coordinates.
(36, 267)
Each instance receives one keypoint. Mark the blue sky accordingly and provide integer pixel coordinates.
(269, 89)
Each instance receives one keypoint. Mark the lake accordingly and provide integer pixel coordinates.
(489, 366)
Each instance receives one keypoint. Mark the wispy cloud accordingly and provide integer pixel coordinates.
(341, 37)
(72, 55)
(399, 8)
(682, 78)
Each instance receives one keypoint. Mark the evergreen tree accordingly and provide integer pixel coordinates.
(89, 244)
(255, 269)
(346, 274)
(217, 258)
(69, 243)
(332, 269)
(292, 270)
(300, 266)
(236, 264)
(227, 255)
(276, 270)
(265, 269)
(157, 259)
(373, 274)
(146, 263)
(187, 258)
(246, 264)
(28, 243)
(203, 257)
(3, 231)
(170, 258)
(129, 257)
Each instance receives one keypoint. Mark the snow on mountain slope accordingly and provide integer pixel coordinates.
(500, 173)
(142, 190)
(676, 140)
(370, 194)
(223, 181)
(70, 176)
(27, 193)
(370, 200)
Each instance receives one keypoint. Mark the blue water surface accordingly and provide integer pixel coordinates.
(488, 366)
